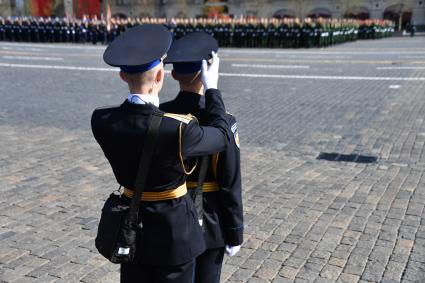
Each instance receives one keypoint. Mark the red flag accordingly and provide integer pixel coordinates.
(87, 7)
(41, 8)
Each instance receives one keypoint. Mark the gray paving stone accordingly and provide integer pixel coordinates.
(242, 275)
(348, 278)
(331, 272)
(306, 220)
(282, 280)
(257, 280)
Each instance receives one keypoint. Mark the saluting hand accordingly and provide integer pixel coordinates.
(210, 73)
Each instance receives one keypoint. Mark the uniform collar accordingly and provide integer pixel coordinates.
(136, 98)
(138, 108)
(192, 97)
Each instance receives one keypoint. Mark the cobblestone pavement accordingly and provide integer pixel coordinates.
(307, 220)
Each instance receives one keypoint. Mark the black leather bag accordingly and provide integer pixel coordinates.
(119, 230)
(197, 195)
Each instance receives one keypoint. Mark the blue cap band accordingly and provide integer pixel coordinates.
(187, 68)
(141, 68)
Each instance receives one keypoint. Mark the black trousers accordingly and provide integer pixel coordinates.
(144, 273)
(208, 266)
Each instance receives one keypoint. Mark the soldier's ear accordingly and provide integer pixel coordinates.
(123, 76)
(159, 76)
(173, 74)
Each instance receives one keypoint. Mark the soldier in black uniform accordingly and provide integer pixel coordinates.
(17, 32)
(199, 26)
(8, 30)
(172, 237)
(209, 28)
(284, 35)
(227, 34)
(179, 30)
(49, 31)
(2, 29)
(72, 33)
(222, 201)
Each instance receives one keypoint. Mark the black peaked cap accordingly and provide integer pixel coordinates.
(193, 47)
(138, 45)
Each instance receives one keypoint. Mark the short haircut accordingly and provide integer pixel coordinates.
(186, 79)
(141, 78)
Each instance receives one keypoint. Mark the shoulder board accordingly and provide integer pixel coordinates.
(180, 117)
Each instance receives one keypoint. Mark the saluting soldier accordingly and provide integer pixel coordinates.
(64, 31)
(296, 33)
(56, 31)
(25, 30)
(209, 27)
(317, 33)
(2, 29)
(103, 33)
(283, 35)
(251, 34)
(237, 34)
(91, 32)
(271, 34)
(189, 26)
(179, 31)
(218, 32)
(42, 30)
(262, 34)
(17, 32)
(171, 25)
(227, 34)
(172, 237)
(199, 26)
(8, 29)
(49, 31)
(72, 33)
(115, 30)
(34, 31)
(222, 212)
(84, 32)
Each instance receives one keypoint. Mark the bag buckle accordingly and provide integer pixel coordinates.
(118, 191)
(123, 251)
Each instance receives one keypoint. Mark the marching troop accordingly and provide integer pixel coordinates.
(244, 32)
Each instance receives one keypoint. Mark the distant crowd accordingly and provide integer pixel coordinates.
(244, 32)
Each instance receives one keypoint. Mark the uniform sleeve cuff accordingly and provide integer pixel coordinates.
(212, 91)
(234, 236)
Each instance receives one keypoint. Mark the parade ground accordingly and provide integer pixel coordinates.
(333, 161)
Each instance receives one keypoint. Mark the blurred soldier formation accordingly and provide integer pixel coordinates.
(244, 32)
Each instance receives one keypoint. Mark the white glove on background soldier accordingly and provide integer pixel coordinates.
(231, 251)
(210, 73)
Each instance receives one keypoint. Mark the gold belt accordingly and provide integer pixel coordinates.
(206, 188)
(158, 196)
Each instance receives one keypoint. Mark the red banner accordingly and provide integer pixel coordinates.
(87, 7)
(40, 8)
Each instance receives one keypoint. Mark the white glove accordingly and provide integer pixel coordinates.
(210, 73)
(231, 251)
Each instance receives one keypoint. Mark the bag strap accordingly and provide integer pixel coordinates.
(144, 165)
(198, 200)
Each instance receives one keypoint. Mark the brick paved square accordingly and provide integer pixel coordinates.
(306, 220)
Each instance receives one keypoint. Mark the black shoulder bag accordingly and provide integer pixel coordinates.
(197, 196)
(119, 233)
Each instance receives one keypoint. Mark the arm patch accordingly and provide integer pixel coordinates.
(234, 130)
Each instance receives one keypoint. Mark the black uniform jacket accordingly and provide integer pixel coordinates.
(171, 232)
(223, 213)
